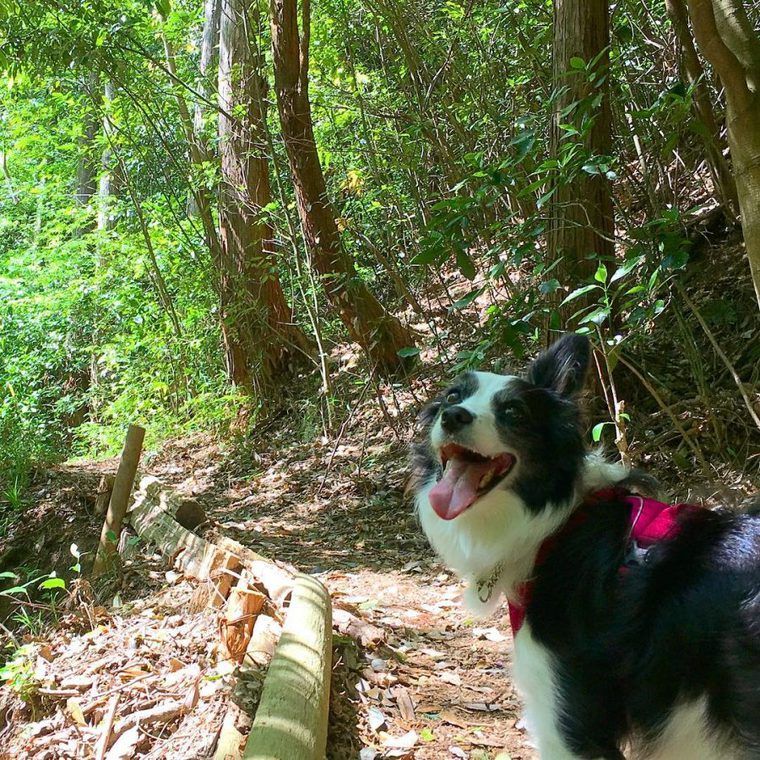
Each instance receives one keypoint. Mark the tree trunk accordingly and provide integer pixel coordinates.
(87, 164)
(105, 183)
(209, 57)
(728, 41)
(207, 67)
(369, 324)
(582, 225)
(253, 304)
(720, 171)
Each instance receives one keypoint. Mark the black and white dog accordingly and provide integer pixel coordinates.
(616, 650)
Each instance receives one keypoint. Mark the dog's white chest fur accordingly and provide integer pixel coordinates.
(500, 531)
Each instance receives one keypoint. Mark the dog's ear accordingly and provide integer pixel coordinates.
(562, 367)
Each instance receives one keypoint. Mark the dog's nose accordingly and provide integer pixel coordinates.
(455, 418)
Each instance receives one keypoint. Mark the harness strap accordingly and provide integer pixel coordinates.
(651, 522)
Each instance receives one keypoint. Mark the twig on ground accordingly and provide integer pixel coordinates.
(105, 737)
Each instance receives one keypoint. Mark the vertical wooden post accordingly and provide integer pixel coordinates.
(117, 506)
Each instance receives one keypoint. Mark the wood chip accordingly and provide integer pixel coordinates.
(104, 739)
(125, 746)
(404, 702)
(162, 713)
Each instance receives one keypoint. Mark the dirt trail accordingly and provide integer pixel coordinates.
(453, 669)
(414, 676)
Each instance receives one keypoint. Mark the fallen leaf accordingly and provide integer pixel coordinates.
(458, 752)
(404, 702)
(480, 707)
(75, 710)
(375, 718)
(407, 741)
(450, 717)
(124, 747)
(449, 677)
(491, 634)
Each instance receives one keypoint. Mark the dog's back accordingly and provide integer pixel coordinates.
(666, 652)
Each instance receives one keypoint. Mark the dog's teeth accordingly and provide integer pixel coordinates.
(486, 479)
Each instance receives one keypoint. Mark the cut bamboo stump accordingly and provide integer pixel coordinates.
(117, 505)
(239, 617)
(291, 719)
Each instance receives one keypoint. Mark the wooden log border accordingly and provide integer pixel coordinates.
(291, 719)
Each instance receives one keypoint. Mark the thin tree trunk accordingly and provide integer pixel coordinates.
(582, 226)
(369, 324)
(87, 164)
(728, 41)
(209, 58)
(719, 169)
(105, 183)
(252, 299)
(207, 67)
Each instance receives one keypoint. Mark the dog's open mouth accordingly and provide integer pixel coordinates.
(467, 476)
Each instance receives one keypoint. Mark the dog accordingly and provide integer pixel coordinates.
(618, 647)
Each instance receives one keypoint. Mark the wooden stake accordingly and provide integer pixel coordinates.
(103, 495)
(117, 506)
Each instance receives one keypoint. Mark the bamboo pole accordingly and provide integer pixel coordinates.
(291, 719)
(117, 506)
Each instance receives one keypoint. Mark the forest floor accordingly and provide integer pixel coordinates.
(414, 676)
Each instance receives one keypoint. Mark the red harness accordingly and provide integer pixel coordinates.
(651, 522)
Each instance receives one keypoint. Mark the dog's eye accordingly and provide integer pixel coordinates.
(453, 397)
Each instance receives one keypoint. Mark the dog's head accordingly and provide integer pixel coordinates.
(488, 433)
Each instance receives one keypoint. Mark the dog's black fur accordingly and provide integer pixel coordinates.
(630, 647)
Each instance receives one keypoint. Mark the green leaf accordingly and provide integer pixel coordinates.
(8, 574)
(596, 432)
(408, 351)
(163, 7)
(465, 264)
(577, 63)
(578, 292)
(53, 583)
(597, 316)
(601, 273)
(426, 735)
(428, 255)
(625, 268)
(548, 287)
(14, 590)
(111, 536)
(468, 299)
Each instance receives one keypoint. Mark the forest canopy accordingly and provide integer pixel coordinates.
(201, 202)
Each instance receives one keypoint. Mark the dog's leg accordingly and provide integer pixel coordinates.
(582, 725)
(687, 735)
(535, 679)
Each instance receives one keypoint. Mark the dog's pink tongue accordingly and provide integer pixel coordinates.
(458, 488)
